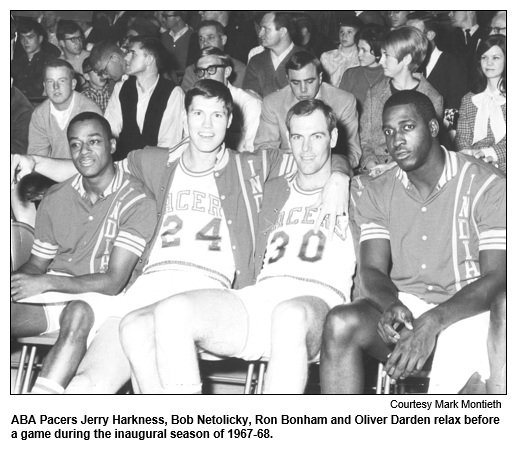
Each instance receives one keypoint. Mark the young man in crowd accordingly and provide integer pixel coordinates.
(305, 78)
(97, 88)
(49, 122)
(206, 234)
(90, 232)
(70, 38)
(429, 285)
(279, 317)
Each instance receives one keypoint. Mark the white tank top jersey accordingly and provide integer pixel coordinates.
(294, 250)
(194, 234)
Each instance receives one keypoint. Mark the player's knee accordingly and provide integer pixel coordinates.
(498, 309)
(341, 324)
(176, 311)
(133, 327)
(77, 317)
(290, 318)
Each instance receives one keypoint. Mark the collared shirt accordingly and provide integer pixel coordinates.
(62, 117)
(435, 242)
(435, 56)
(277, 60)
(79, 236)
(246, 122)
(179, 34)
(171, 129)
(99, 96)
(335, 62)
(473, 30)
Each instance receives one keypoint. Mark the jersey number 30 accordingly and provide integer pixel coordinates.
(175, 222)
(283, 240)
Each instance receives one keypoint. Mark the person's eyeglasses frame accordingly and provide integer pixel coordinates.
(208, 71)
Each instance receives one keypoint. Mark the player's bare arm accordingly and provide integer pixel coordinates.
(414, 347)
(58, 170)
(111, 282)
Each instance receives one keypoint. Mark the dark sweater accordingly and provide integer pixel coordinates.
(21, 112)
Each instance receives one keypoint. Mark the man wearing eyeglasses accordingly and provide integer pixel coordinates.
(107, 60)
(212, 34)
(498, 24)
(177, 39)
(49, 122)
(214, 64)
(145, 109)
(70, 38)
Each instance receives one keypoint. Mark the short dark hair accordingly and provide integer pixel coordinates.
(429, 20)
(91, 116)
(59, 63)
(351, 21)
(67, 27)
(211, 23)
(103, 50)
(86, 67)
(154, 47)
(209, 89)
(301, 59)
(420, 102)
(215, 51)
(372, 35)
(286, 20)
(26, 25)
(479, 83)
(307, 107)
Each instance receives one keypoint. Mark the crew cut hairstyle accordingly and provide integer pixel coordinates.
(301, 59)
(479, 83)
(286, 20)
(68, 27)
(91, 116)
(420, 102)
(211, 23)
(209, 89)
(404, 41)
(154, 47)
(307, 107)
(372, 35)
(215, 51)
(59, 63)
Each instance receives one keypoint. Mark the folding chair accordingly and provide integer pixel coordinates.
(384, 385)
(248, 382)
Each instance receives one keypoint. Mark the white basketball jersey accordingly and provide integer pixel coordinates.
(294, 249)
(194, 235)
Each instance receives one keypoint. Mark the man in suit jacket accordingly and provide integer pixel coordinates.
(444, 71)
(305, 75)
(265, 71)
(467, 35)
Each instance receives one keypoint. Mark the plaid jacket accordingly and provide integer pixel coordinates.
(465, 132)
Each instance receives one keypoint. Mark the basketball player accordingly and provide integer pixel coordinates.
(281, 316)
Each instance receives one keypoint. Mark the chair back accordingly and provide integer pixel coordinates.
(22, 237)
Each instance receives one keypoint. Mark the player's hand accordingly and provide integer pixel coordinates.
(24, 285)
(392, 319)
(412, 349)
(334, 201)
(21, 165)
(379, 169)
(479, 154)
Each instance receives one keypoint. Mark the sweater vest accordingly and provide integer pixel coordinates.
(131, 137)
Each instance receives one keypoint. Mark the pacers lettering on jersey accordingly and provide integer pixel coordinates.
(471, 269)
(193, 200)
(307, 216)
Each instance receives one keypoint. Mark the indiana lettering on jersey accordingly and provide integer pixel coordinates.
(195, 201)
(255, 183)
(471, 269)
(308, 215)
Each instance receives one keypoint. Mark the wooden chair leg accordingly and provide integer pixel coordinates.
(19, 373)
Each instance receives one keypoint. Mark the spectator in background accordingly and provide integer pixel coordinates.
(444, 71)
(70, 38)
(95, 31)
(403, 51)
(371, 17)
(177, 38)
(266, 70)
(397, 18)
(21, 112)
(482, 124)
(50, 20)
(27, 66)
(49, 122)
(141, 27)
(309, 38)
(145, 109)
(305, 75)
(359, 79)
(466, 37)
(107, 60)
(214, 64)
(212, 34)
(336, 62)
(97, 88)
(498, 23)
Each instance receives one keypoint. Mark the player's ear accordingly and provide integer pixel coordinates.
(434, 127)
(333, 137)
(288, 138)
(229, 121)
(113, 145)
(228, 71)
(321, 78)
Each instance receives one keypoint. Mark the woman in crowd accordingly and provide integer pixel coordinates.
(403, 51)
(360, 79)
(481, 130)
